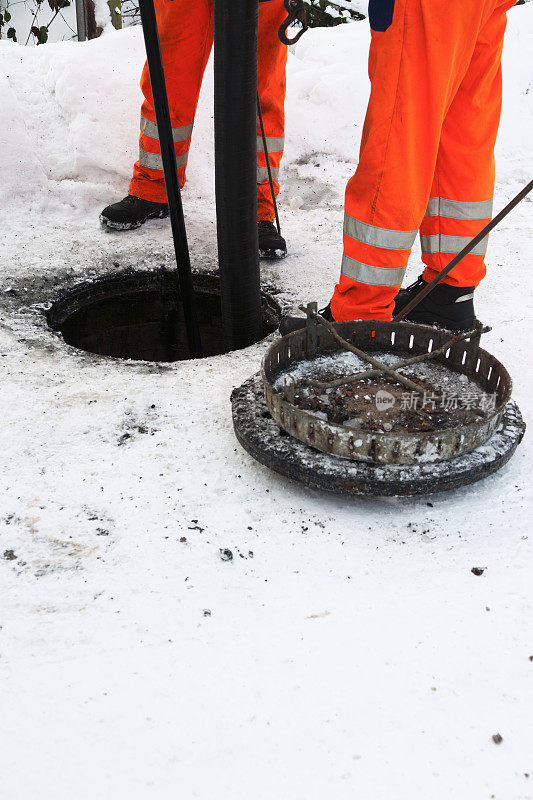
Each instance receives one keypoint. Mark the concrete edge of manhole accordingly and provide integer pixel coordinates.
(261, 437)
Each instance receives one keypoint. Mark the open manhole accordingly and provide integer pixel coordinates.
(138, 316)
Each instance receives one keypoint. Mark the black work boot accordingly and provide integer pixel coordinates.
(272, 245)
(450, 307)
(290, 324)
(132, 212)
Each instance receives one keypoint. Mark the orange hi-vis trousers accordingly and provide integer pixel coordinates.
(186, 38)
(427, 151)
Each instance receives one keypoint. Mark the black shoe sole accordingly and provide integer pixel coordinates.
(129, 226)
(442, 323)
(272, 254)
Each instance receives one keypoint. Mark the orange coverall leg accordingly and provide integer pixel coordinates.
(186, 37)
(427, 151)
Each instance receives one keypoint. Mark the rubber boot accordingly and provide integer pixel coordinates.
(450, 307)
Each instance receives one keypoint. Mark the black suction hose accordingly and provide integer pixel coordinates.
(236, 24)
(170, 169)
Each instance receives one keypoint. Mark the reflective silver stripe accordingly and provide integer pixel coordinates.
(374, 276)
(179, 134)
(154, 160)
(275, 144)
(378, 237)
(262, 174)
(465, 297)
(440, 243)
(455, 209)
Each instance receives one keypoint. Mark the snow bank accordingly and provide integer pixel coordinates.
(78, 103)
(80, 106)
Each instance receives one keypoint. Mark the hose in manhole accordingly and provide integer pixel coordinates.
(139, 316)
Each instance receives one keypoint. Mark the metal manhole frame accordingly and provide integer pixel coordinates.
(271, 446)
(465, 357)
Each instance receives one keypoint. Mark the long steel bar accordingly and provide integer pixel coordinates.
(372, 373)
(81, 23)
(464, 252)
(267, 159)
(370, 359)
(170, 169)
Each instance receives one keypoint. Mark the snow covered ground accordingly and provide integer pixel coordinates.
(349, 652)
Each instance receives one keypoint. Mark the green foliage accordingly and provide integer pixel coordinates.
(327, 13)
(37, 32)
(40, 34)
(5, 17)
(320, 13)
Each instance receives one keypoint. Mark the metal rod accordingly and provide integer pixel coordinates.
(407, 362)
(375, 363)
(236, 23)
(81, 23)
(464, 252)
(267, 158)
(170, 169)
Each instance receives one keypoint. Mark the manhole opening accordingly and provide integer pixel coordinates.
(138, 316)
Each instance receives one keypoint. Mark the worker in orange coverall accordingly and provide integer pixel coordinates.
(186, 38)
(426, 161)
